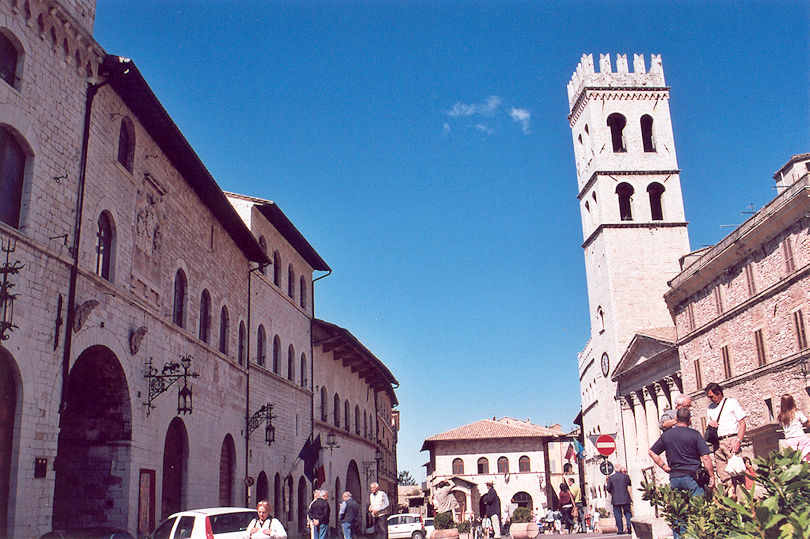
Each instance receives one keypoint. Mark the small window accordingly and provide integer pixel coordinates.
(458, 467)
(224, 330)
(625, 193)
(126, 143)
(524, 464)
(690, 317)
(801, 336)
(12, 172)
(324, 404)
(241, 344)
(718, 299)
(616, 122)
(787, 252)
(503, 465)
(336, 411)
(276, 268)
(9, 59)
(483, 466)
(290, 363)
(726, 362)
(698, 376)
(749, 279)
(104, 245)
(346, 415)
(656, 190)
(760, 344)
(205, 316)
(647, 135)
(290, 281)
(365, 425)
(357, 420)
(276, 354)
(302, 292)
(261, 346)
(179, 305)
(303, 370)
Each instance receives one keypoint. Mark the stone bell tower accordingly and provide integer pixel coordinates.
(633, 224)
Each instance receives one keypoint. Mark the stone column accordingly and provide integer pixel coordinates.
(653, 413)
(673, 390)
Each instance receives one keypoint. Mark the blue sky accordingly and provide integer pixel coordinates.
(423, 149)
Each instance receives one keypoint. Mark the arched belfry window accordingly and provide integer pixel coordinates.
(647, 135)
(625, 192)
(126, 143)
(600, 318)
(616, 122)
(656, 190)
(9, 61)
(179, 306)
(104, 245)
(12, 172)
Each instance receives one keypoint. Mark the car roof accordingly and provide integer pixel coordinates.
(213, 511)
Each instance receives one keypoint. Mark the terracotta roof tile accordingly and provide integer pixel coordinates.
(505, 427)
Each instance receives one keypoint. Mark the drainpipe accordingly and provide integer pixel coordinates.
(312, 357)
(247, 386)
(92, 90)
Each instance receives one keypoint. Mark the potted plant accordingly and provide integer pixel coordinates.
(444, 526)
(522, 526)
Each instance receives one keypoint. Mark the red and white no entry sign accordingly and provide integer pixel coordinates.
(606, 445)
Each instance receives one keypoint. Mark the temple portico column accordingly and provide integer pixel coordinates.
(629, 429)
(673, 390)
(653, 413)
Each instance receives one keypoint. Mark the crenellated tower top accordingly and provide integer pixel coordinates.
(587, 76)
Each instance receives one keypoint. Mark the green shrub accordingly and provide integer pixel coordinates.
(522, 514)
(783, 512)
(443, 521)
(463, 527)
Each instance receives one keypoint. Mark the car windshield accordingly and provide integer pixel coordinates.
(231, 522)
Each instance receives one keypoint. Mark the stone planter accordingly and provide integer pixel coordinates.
(524, 530)
(452, 533)
(607, 525)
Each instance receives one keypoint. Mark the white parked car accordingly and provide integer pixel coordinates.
(428, 526)
(406, 526)
(216, 522)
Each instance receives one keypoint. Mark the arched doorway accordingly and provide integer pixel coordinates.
(227, 465)
(353, 483)
(93, 451)
(175, 461)
(302, 503)
(523, 499)
(262, 487)
(9, 395)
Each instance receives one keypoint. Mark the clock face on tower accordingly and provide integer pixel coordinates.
(605, 364)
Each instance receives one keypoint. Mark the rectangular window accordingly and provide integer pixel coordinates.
(726, 362)
(760, 343)
(749, 279)
(698, 377)
(690, 317)
(787, 252)
(801, 336)
(718, 299)
(769, 407)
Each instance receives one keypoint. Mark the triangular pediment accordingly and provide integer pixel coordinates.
(645, 347)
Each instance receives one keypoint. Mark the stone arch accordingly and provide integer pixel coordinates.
(302, 504)
(523, 499)
(10, 414)
(175, 466)
(16, 37)
(353, 483)
(262, 487)
(96, 430)
(20, 168)
(227, 471)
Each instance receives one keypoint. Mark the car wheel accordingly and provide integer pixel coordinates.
(418, 535)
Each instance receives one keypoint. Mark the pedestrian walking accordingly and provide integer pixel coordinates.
(793, 422)
(348, 514)
(576, 494)
(492, 507)
(379, 507)
(727, 416)
(319, 513)
(566, 507)
(618, 485)
(686, 449)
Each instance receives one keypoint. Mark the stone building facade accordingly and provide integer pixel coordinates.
(742, 307)
(130, 265)
(515, 455)
(634, 232)
(354, 410)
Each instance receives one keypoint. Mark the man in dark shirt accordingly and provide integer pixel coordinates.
(618, 485)
(685, 448)
(319, 512)
(492, 505)
(347, 516)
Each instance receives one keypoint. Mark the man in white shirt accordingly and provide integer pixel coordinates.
(380, 508)
(728, 416)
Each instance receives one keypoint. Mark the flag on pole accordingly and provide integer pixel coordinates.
(319, 470)
(570, 454)
(580, 450)
(310, 454)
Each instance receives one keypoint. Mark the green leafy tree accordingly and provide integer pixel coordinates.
(404, 479)
(780, 511)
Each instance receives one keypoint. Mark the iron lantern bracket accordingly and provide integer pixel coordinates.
(6, 297)
(157, 383)
(261, 416)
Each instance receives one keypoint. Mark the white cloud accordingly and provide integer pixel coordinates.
(523, 117)
(446, 128)
(487, 108)
(484, 129)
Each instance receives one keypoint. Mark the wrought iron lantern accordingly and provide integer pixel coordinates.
(263, 415)
(158, 383)
(6, 297)
(331, 441)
